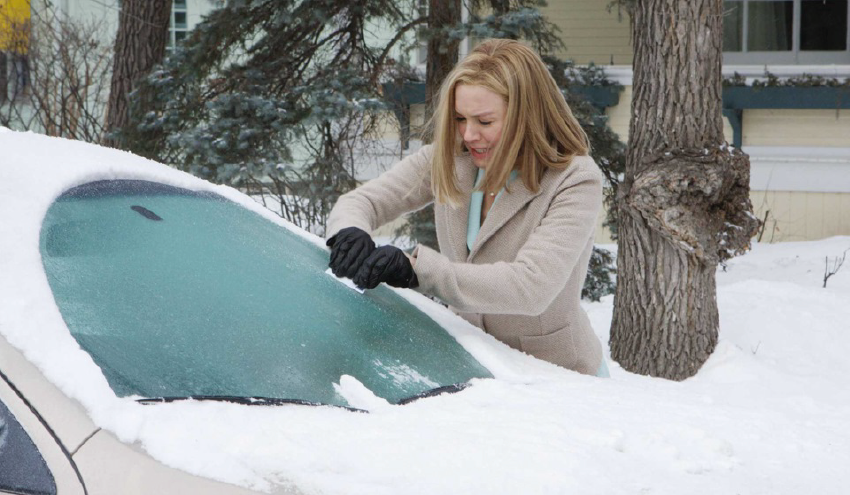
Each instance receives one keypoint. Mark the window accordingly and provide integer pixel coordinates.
(179, 27)
(422, 42)
(20, 75)
(14, 76)
(15, 39)
(4, 78)
(22, 468)
(786, 32)
(180, 294)
(823, 25)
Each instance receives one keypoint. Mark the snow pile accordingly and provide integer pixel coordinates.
(769, 412)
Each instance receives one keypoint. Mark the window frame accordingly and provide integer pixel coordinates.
(173, 29)
(793, 57)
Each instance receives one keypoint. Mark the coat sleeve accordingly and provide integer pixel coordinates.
(529, 284)
(404, 188)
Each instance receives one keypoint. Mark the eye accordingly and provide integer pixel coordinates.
(484, 123)
(460, 119)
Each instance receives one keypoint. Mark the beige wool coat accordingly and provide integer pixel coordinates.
(521, 281)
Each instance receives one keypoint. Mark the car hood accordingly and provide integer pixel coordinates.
(255, 447)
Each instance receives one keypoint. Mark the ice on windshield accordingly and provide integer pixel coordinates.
(175, 293)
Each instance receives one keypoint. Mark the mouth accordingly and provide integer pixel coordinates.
(478, 152)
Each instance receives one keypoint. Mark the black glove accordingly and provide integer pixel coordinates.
(349, 248)
(386, 264)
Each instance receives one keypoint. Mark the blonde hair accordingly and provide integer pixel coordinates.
(539, 131)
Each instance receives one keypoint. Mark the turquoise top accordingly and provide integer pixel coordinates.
(475, 202)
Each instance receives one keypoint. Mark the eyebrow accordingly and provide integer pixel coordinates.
(484, 114)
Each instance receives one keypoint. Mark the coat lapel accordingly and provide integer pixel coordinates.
(508, 204)
(456, 222)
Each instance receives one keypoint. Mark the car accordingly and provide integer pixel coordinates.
(133, 290)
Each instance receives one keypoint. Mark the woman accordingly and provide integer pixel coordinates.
(515, 201)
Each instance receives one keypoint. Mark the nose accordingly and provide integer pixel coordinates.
(470, 133)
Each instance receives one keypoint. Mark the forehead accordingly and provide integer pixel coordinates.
(473, 100)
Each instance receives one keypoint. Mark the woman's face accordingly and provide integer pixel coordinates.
(480, 115)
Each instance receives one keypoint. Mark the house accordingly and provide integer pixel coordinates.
(798, 137)
(56, 61)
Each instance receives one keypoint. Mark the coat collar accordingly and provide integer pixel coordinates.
(465, 172)
(508, 204)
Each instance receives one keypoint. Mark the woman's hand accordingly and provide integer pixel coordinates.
(386, 264)
(349, 249)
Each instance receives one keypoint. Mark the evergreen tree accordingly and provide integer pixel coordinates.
(284, 96)
(281, 95)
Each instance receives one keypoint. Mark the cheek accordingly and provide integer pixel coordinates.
(494, 134)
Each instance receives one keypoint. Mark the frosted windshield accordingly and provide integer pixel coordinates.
(175, 293)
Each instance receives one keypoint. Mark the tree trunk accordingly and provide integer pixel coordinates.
(442, 53)
(684, 203)
(139, 45)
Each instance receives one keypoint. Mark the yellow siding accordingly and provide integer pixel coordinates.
(590, 32)
(728, 133)
(603, 235)
(844, 222)
(797, 216)
(832, 207)
(795, 226)
(619, 116)
(14, 16)
(387, 126)
(814, 214)
(796, 128)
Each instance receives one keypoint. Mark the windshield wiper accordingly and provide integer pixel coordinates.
(275, 401)
(445, 389)
(248, 401)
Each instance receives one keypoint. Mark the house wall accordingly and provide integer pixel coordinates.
(800, 159)
(797, 207)
(100, 17)
(107, 11)
(590, 32)
(800, 215)
(799, 165)
(796, 128)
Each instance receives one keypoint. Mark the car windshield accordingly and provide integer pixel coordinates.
(176, 293)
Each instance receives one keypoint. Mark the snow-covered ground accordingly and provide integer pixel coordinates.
(769, 413)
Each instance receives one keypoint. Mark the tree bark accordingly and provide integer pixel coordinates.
(442, 53)
(139, 46)
(684, 203)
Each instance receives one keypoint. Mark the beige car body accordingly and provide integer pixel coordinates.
(85, 459)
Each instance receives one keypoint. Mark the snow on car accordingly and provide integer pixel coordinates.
(161, 334)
